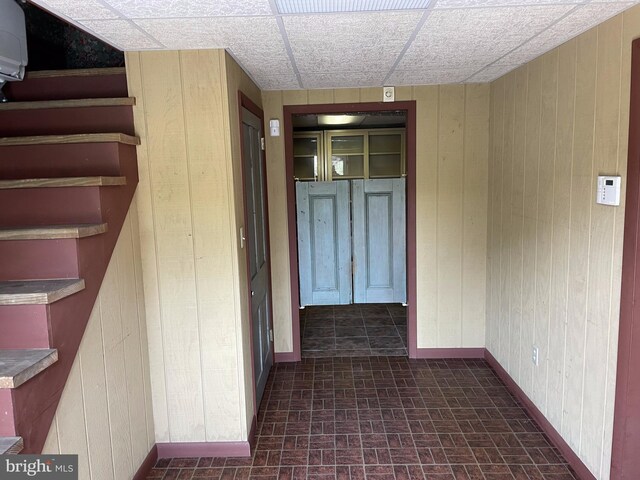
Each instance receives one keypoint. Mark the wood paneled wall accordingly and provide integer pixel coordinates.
(554, 255)
(451, 170)
(190, 208)
(105, 414)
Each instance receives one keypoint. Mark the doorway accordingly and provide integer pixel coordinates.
(256, 243)
(346, 173)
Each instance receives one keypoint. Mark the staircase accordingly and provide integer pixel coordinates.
(68, 173)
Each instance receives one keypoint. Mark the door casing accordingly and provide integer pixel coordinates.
(409, 107)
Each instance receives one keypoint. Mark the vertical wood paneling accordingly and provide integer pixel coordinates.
(605, 160)
(449, 216)
(581, 204)
(474, 222)
(193, 269)
(427, 114)
(102, 415)
(576, 127)
(544, 224)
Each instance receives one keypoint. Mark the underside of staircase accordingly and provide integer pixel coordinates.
(68, 173)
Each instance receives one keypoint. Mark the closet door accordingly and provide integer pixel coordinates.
(379, 241)
(324, 247)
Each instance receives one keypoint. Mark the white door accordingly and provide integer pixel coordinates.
(379, 241)
(324, 243)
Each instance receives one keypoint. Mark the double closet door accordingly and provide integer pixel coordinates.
(352, 241)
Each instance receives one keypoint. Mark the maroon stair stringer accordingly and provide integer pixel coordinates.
(35, 402)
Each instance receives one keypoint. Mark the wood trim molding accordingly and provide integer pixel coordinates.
(580, 468)
(147, 464)
(285, 357)
(436, 353)
(410, 108)
(625, 461)
(203, 449)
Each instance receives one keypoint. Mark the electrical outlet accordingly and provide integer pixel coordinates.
(535, 356)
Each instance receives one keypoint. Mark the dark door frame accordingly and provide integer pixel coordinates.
(341, 108)
(625, 461)
(245, 102)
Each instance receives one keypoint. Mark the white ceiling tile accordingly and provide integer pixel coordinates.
(490, 73)
(481, 35)
(190, 8)
(277, 82)
(442, 4)
(259, 58)
(121, 33)
(78, 9)
(573, 24)
(431, 76)
(359, 41)
(342, 79)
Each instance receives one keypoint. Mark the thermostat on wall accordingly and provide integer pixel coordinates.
(608, 190)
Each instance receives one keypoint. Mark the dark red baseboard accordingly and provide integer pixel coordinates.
(435, 353)
(203, 449)
(284, 357)
(580, 468)
(148, 463)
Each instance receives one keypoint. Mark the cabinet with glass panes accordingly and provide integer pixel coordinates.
(308, 158)
(349, 154)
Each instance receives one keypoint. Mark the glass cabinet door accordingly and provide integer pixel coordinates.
(347, 152)
(386, 154)
(308, 164)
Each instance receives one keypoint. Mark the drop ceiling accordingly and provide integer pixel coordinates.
(346, 43)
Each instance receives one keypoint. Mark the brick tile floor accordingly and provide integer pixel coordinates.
(354, 330)
(386, 418)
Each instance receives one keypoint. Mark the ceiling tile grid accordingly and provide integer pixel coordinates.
(289, 44)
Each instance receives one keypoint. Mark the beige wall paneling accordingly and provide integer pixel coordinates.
(320, 97)
(516, 251)
(450, 141)
(449, 216)
(544, 225)
(149, 257)
(577, 115)
(427, 113)
(581, 204)
(104, 411)
(494, 215)
(190, 209)
(277, 191)
(599, 323)
(347, 95)
(508, 216)
(474, 221)
(561, 232)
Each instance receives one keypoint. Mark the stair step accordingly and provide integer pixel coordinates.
(51, 232)
(38, 292)
(18, 366)
(78, 72)
(74, 103)
(67, 139)
(11, 445)
(62, 182)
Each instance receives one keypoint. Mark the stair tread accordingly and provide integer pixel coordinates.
(47, 232)
(18, 366)
(38, 292)
(62, 182)
(11, 445)
(78, 72)
(74, 103)
(76, 138)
